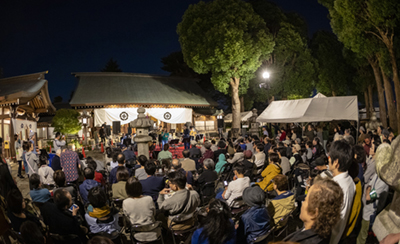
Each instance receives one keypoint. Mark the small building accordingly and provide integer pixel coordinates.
(113, 98)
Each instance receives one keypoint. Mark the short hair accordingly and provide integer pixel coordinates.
(91, 163)
(42, 160)
(176, 163)
(142, 160)
(30, 144)
(316, 139)
(121, 158)
(15, 136)
(240, 169)
(25, 146)
(238, 148)
(97, 197)
(186, 153)
(283, 151)
(61, 199)
(260, 147)
(274, 157)
(34, 181)
(325, 201)
(354, 169)
(31, 233)
(58, 134)
(133, 187)
(360, 152)
(213, 141)
(89, 173)
(221, 144)
(178, 178)
(166, 147)
(150, 168)
(14, 201)
(115, 156)
(122, 173)
(343, 152)
(281, 182)
(207, 144)
(59, 178)
(209, 163)
(100, 240)
(376, 143)
(309, 144)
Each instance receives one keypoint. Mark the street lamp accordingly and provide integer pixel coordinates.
(266, 75)
(84, 120)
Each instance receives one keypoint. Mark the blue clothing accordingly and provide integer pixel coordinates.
(197, 233)
(55, 163)
(85, 187)
(34, 146)
(189, 176)
(266, 148)
(253, 223)
(243, 146)
(40, 195)
(129, 155)
(152, 186)
(113, 174)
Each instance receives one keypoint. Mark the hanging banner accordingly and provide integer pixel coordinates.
(126, 115)
(22, 125)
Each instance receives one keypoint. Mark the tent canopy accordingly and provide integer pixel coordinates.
(315, 109)
(244, 116)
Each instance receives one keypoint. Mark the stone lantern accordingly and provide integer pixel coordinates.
(254, 125)
(373, 123)
(142, 138)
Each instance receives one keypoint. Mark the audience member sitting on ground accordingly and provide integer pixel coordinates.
(45, 172)
(114, 162)
(217, 227)
(283, 203)
(208, 175)
(272, 170)
(97, 175)
(320, 212)
(208, 152)
(121, 163)
(340, 159)
(182, 202)
(164, 154)
(139, 209)
(88, 184)
(55, 162)
(59, 179)
(16, 210)
(177, 166)
(140, 173)
(235, 188)
(118, 189)
(187, 163)
(152, 185)
(238, 156)
(38, 194)
(221, 163)
(255, 221)
(101, 218)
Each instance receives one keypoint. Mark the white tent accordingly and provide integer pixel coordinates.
(319, 95)
(311, 110)
(244, 116)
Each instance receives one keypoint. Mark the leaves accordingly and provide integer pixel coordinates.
(66, 121)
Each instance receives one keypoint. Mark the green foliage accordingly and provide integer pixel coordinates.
(77, 144)
(66, 121)
(226, 38)
(175, 64)
(111, 66)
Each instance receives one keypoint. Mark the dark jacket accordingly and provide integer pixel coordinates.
(217, 153)
(85, 187)
(194, 152)
(205, 177)
(208, 154)
(253, 223)
(248, 167)
(55, 163)
(152, 186)
(306, 237)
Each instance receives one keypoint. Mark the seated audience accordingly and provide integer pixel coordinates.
(194, 151)
(221, 150)
(45, 172)
(88, 184)
(61, 183)
(118, 189)
(235, 188)
(248, 165)
(140, 173)
(285, 164)
(139, 209)
(208, 152)
(55, 162)
(213, 146)
(320, 212)
(255, 221)
(101, 218)
(97, 175)
(152, 185)
(128, 154)
(16, 210)
(208, 175)
(177, 166)
(217, 226)
(187, 163)
(31, 233)
(221, 163)
(283, 203)
(320, 165)
(309, 151)
(114, 162)
(296, 158)
(249, 145)
(121, 163)
(38, 194)
(272, 170)
(238, 156)
(164, 154)
(259, 157)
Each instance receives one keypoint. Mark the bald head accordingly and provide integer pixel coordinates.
(176, 164)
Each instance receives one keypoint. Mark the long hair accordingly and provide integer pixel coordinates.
(218, 227)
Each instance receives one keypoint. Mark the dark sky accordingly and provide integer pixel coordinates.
(64, 36)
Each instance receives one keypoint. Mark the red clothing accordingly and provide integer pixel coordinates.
(366, 149)
(283, 136)
(99, 178)
(208, 154)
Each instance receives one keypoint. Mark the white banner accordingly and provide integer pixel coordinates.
(126, 115)
(21, 125)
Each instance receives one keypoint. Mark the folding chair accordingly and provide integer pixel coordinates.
(154, 228)
(284, 223)
(237, 212)
(263, 238)
(186, 233)
(114, 236)
(204, 198)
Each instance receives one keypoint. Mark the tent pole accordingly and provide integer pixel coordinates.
(358, 129)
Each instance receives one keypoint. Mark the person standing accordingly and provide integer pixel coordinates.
(19, 153)
(164, 137)
(186, 137)
(57, 143)
(32, 159)
(102, 133)
(32, 140)
(265, 131)
(69, 161)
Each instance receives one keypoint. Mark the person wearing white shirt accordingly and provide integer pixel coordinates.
(340, 160)
(236, 187)
(57, 144)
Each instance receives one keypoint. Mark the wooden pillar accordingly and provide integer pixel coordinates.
(13, 115)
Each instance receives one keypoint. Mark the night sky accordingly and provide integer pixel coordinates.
(82, 35)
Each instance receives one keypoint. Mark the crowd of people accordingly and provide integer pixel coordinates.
(236, 190)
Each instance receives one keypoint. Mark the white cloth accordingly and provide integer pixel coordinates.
(46, 175)
(57, 144)
(237, 157)
(259, 159)
(347, 184)
(235, 189)
(285, 165)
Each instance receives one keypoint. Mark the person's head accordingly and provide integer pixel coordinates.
(238, 148)
(282, 152)
(213, 141)
(58, 135)
(207, 144)
(221, 144)
(296, 148)
(374, 146)
(97, 197)
(15, 137)
(186, 153)
(322, 206)
(280, 183)
(15, 201)
(297, 141)
(254, 196)
(385, 133)
(260, 147)
(274, 158)
(115, 156)
(193, 143)
(34, 181)
(59, 178)
(166, 147)
(42, 160)
(91, 163)
(247, 154)
(239, 170)
(142, 160)
(319, 163)
(62, 199)
(316, 141)
(176, 164)
(379, 130)
(122, 174)
(31, 233)
(133, 187)
(150, 168)
(347, 132)
(309, 127)
(121, 159)
(177, 180)
(309, 144)
(30, 146)
(340, 156)
(25, 146)
(209, 164)
(359, 154)
(89, 173)
(100, 240)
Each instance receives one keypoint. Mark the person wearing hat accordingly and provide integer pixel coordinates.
(362, 135)
(255, 221)
(296, 158)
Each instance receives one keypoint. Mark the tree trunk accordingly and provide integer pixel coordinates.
(396, 81)
(371, 98)
(367, 107)
(235, 107)
(389, 99)
(242, 104)
(378, 79)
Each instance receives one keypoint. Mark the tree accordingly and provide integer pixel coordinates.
(66, 121)
(111, 66)
(228, 39)
(58, 99)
